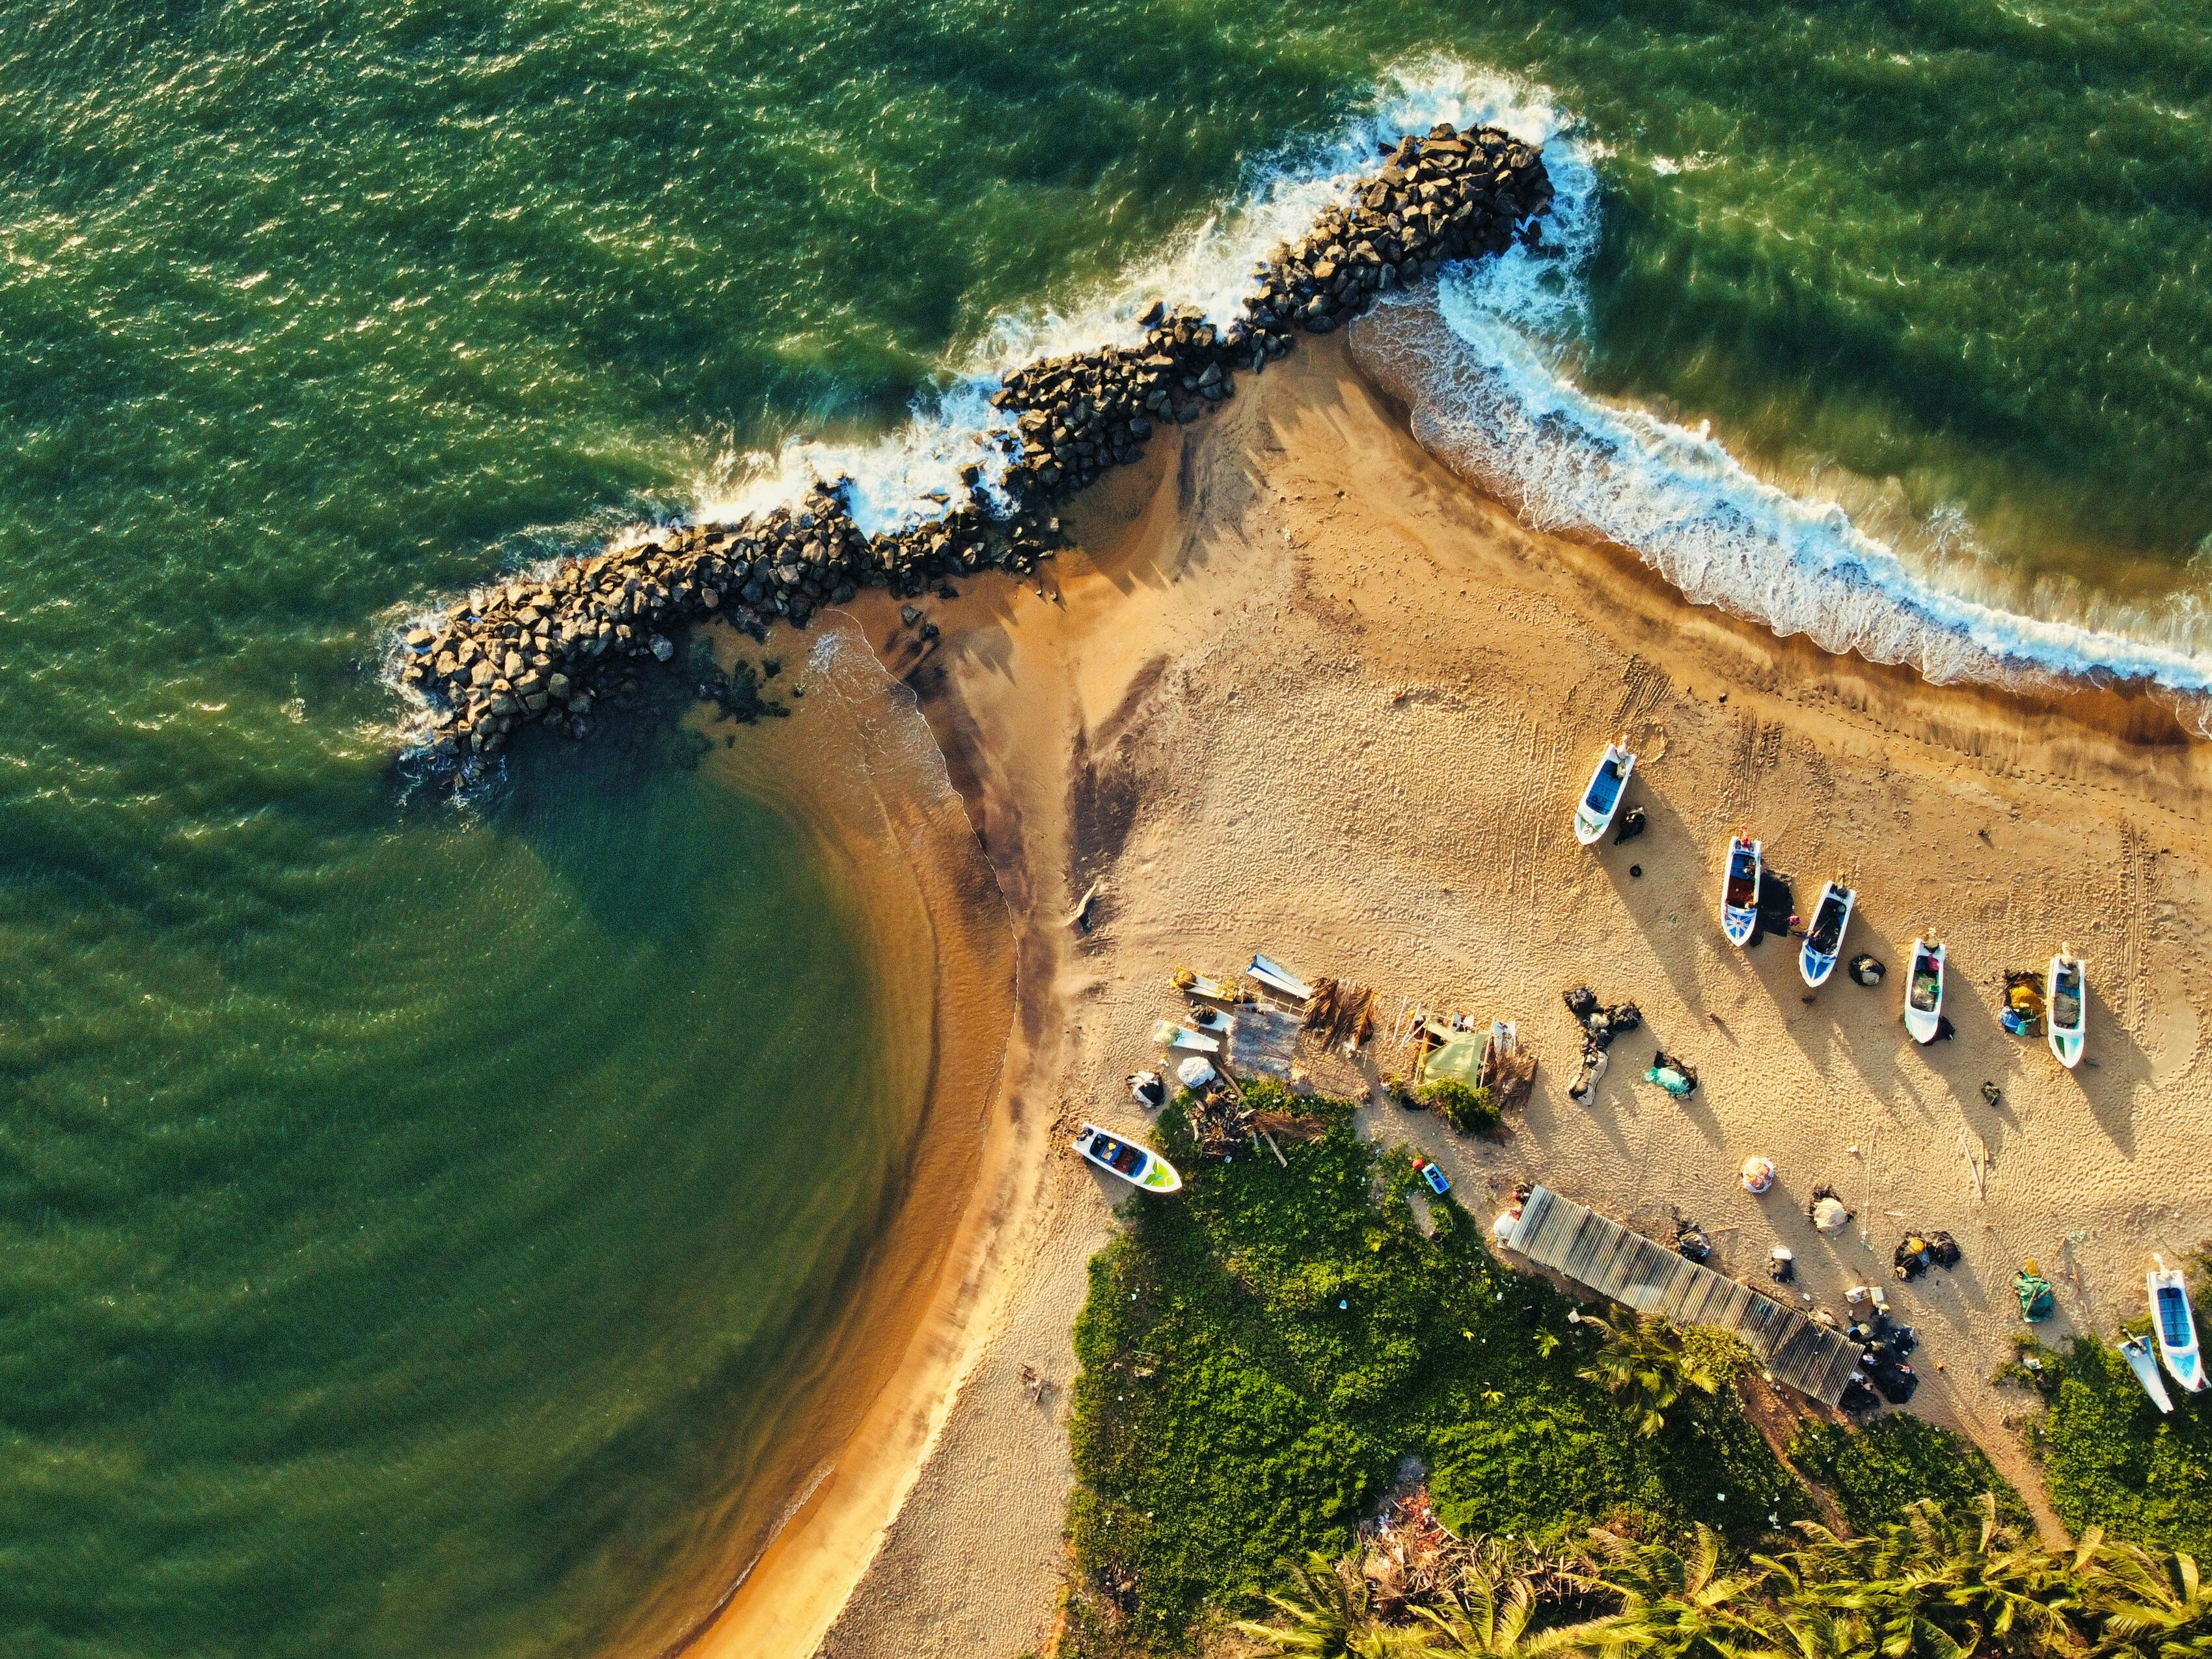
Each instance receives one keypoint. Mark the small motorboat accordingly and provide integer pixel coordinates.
(1213, 1021)
(2173, 1321)
(1139, 1168)
(1923, 991)
(2137, 1351)
(1594, 817)
(1169, 1035)
(2066, 1006)
(1740, 893)
(1824, 940)
(1279, 980)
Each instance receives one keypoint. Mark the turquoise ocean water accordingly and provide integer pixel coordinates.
(408, 1215)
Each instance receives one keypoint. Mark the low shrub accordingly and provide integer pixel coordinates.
(2112, 1459)
(1262, 1352)
(1897, 1460)
(1467, 1108)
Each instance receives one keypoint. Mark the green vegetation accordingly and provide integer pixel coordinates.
(1645, 1365)
(1936, 1584)
(1467, 1108)
(2112, 1460)
(1261, 1353)
(1876, 1473)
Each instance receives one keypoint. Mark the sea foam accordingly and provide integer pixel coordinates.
(1496, 397)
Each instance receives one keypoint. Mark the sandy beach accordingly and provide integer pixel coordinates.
(1301, 689)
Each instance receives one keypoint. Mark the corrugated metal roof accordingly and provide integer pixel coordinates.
(1641, 1273)
(1263, 1040)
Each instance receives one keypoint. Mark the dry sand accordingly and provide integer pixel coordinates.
(1304, 691)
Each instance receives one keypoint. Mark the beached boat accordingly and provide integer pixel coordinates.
(1139, 1168)
(2173, 1321)
(1608, 785)
(2066, 1006)
(2144, 1364)
(1740, 893)
(1214, 1021)
(1279, 980)
(1169, 1035)
(1923, 991)
(1824, 940)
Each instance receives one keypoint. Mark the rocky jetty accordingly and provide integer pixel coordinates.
(548, 647)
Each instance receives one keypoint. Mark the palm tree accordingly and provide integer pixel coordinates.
(2149, 1605)
(1490, 1616)
(1329, 1614)
(1645, 1365)
(1678, 1607)
(1928, 1587)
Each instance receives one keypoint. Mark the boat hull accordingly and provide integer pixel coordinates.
(1590, 825)
(1922, 1024)
(2173, 1324)
(1740, 922)
(2066, 1045)
(1814, 966)
(1152, 1173)
(2139, 1361)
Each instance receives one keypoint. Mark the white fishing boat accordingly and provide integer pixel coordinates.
(1824, 940)
(1169, 1035)
(1214, 1022)
(2173, 1321)
(1279, 980)
(2066, 1006)
(1602, 799)
(1139, 1168)
(2144, 1364)
(1740, 892)
(1923, 991)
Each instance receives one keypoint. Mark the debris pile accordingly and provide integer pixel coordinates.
(1340, 1013)
(1917, 1252)
(1600, 1024)
(1508, 1071)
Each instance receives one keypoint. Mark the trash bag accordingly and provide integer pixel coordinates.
(1826, 1211)
(1586, 1080)
(1944, 1249)
(1895, 1384)
(1582, 1002)
(1606, 1024)
(1690, 1241)
(1867, 969)
(1858, 1399)
(1633, 823)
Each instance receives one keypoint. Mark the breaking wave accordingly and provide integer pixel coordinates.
(1495, 397)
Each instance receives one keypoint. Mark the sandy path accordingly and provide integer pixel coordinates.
(1307, 693)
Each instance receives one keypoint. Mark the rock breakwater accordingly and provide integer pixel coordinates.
(548, 647)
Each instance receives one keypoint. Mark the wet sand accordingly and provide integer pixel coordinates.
(1302, 690)
(857, 777)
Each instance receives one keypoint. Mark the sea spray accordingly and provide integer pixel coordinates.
(1486, 373)
(552, 646)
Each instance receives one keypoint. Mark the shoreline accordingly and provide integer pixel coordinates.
(1069, 724)
(938, 928)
